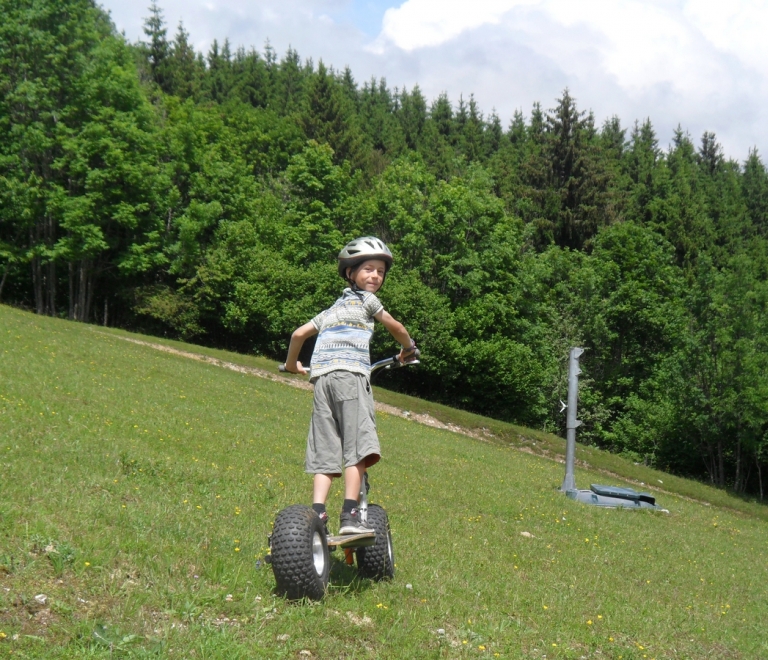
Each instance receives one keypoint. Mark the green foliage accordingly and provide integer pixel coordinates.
(205, 196)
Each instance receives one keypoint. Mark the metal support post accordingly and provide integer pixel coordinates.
(569, 483)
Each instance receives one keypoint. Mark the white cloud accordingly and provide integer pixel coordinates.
(702, 64)
(698, 63)
(637, 42)
(737, 27)
(419, 23)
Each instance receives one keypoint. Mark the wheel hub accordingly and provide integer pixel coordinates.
(318, 553)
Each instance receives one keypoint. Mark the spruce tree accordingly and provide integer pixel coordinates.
(251, 79)
(182, 68)
(472, 132)
(755, 191)
(157, 48)
(493, 135)
(412, 113)
(441, 113)
(289, 83)
(327, 117)
(579, 178)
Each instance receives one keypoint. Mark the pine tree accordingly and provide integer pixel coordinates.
(251, 80)
(412, 113)
(517, 129)
(289, 83)
(379, 122)
(755, 191)
(182, 69)
(157, 49)
(441, 113)
(328, 118)
(493, 135)
(710, 153)
(459, 122)
(613, 137)
(349, 87)
(472, 132)
(681, 214)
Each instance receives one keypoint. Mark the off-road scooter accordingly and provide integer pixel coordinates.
(300, 547)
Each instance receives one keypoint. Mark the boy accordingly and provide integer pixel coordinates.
(343, 425)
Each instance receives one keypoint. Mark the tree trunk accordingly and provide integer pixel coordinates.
(71, 269)
(50, 239)
(759, 476)
(81, 292)
(737, 478)
(106, 312)
(5, 275)
(51, 288)
(720, 463)
(711, 464)
(37, 283)
(747, 470)
(88, 293)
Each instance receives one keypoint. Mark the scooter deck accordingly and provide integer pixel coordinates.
(352, 540)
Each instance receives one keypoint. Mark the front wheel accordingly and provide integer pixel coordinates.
(300, 558)
(377, 561)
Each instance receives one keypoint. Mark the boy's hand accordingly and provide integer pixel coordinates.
(296, 368)
(407, 354)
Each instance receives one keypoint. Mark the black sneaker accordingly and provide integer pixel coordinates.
(350, 523)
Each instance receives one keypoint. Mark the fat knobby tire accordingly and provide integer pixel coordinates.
(292, 558)
(377, 561)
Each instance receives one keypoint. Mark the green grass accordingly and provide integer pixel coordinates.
(137, 489)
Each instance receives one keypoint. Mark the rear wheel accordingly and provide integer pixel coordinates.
(300, 558)
(377, 561)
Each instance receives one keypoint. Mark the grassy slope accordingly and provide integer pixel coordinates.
(137, 489)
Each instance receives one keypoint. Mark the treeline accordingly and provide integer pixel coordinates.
(206, 196)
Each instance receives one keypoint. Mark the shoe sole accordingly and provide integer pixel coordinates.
(354, 530)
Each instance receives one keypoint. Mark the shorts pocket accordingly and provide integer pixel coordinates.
(345, 386)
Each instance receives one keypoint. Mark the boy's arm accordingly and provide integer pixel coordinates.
(398, 331)
(299, 336)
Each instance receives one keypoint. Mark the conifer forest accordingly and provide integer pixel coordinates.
(205, 196)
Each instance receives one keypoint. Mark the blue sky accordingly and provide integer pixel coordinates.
(700, 64)
(366, 15)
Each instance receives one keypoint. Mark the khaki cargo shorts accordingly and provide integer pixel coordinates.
(343, 426)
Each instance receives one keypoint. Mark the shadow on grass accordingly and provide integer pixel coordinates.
(344, 579)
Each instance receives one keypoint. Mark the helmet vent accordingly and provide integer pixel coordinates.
(357, 251)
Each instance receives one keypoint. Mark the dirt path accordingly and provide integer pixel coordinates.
(428, 420)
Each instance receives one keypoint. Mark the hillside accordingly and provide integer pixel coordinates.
(205, 195)
(138, 487)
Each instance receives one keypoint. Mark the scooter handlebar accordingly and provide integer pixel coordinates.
(381, 364)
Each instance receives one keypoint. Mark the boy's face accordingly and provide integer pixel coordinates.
(369, 275)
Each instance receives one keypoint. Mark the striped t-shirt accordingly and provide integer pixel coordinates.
(344, 334)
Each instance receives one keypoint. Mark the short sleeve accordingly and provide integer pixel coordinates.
(318, 320)
(372, 305)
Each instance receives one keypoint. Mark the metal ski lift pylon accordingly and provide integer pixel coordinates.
(597, 495)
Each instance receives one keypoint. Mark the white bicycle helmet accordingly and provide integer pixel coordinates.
(360, 250)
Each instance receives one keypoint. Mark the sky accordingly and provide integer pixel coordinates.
(698, 64)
